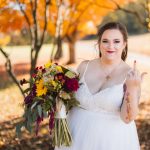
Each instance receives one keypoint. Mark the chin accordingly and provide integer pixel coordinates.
(111, 57)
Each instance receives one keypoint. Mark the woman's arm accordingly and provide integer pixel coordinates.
(132, 92)
(129, 108)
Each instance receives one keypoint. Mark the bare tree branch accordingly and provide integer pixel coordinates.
(26, 17)
(47, 2)
(31, 4)
(8, 67)
(35, 27)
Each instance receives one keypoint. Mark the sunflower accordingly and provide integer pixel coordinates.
(40, 88)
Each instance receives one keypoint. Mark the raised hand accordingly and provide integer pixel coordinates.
(134, 78)
(132, 92)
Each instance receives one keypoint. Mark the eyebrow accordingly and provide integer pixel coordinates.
(108, 39)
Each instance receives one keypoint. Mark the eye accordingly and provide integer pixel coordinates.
(116, 41)
(105, 41)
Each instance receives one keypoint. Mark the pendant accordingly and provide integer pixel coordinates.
(108, 77)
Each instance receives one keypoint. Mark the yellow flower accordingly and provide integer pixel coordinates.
(48, 64)
(59, 68)
(54, 84)
(40, 89)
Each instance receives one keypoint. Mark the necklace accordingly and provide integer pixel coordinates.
(108, 75)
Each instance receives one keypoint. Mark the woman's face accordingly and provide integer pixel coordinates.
(112, 44)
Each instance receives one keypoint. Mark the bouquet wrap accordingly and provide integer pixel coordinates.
(62, 134)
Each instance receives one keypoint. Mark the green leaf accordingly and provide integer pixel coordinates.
(45, 113)
(39, 110)
(64, 69)
(32, 80)
(29, 127)
(34, 104)
(70, 74)
(18, 129)
(34, 114)
(38, 98)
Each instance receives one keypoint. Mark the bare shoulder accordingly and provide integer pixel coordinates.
(81, 67)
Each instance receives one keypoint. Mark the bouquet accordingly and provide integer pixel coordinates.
(51, 94)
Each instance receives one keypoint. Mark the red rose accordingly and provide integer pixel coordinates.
(71, 84)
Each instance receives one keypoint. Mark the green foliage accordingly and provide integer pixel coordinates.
(129, 20)
(30, 116)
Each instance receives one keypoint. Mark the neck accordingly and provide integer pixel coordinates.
(110, 63)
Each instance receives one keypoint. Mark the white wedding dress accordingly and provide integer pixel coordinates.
(96, 124)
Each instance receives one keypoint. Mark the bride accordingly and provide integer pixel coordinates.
(109, 97)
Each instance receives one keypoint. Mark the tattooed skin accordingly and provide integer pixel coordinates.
(127, 99)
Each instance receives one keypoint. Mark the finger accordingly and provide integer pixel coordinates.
(143, 74)
(130, 74)
(134, 65)
(137, 74)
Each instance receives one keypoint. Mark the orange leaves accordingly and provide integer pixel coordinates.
(10, 22)
(76, 15)
(87, 28)
(80, 15)
(3, 3)
(51, 27)
(4, 40)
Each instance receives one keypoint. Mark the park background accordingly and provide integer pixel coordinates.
(64, 31)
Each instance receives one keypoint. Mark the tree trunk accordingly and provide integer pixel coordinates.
(71, 52)
(34, 57)
(58, 54)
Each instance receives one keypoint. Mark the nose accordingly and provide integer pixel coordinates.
(111, 45)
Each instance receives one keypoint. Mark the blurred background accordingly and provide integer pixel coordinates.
(33, 32)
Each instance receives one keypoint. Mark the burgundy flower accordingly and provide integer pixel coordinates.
(36, 69)
(40, 67)
(51, 121)
(59, 77)
(38, 121)
(71, 84)
(34, 90)
(43, 70)
(33, 75)
(23, 81)
(29, 98)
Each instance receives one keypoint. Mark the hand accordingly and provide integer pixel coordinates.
(134, 78)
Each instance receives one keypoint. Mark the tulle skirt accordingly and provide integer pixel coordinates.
(100, 131)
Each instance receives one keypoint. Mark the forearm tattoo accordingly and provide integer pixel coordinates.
(127, 99)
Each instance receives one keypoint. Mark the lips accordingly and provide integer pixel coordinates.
(110, 52)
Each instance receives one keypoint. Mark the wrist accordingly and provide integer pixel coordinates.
(133, 89)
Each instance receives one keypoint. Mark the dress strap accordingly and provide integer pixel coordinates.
(85, 69)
